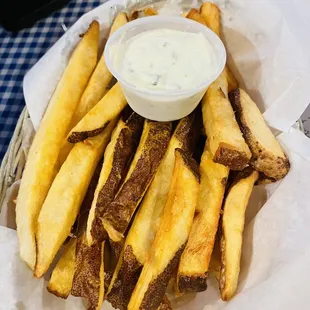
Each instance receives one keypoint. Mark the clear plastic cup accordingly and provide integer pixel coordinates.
(165, 105)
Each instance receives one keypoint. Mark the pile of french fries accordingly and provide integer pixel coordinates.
(123, 199)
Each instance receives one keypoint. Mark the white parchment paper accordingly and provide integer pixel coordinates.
(269, 52)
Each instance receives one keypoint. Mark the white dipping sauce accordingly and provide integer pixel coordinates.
(165, 59)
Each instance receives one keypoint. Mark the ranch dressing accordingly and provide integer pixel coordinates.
(165, 59)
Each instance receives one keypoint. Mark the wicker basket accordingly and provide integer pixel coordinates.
(14, 160)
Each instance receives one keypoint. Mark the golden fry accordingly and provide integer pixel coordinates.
(171, 237)
(94, 91)
(232, 230)
(60, 283)
(96, 120)
(41, 166)
(194, 264)
(120, 20)
(225, 140)
(62, 204)
(194, 14)
(211, 14)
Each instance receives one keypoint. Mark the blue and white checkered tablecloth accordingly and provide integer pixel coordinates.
(20, 51)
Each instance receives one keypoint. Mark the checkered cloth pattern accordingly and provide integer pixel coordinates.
(20, 51)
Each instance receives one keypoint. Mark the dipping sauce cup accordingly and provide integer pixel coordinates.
(164, 105)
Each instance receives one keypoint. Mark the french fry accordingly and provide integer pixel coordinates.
(60, 283)
(62, 204)
(88, 281)
(268, 156)
(143, 229)
(194, 14)
(120, 20)
(232, 229)
(61, 280)
(194, 263)
(42, 166)
(150, 11)
(212, 17)
(96, 120)
(171, 236)
(94, 91)
(120, 150)
(150, 152)
(225, 140)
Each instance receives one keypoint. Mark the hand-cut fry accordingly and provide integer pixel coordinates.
(88, 281)
(60, 283)
(120, 20)
(171, 236)
(232, 82)
(120, 150)
(150, 152)
(96, 120)
(211, 14)
(41, 166)
(210, 17)
(143, 229)
(232, 229)
(268, 156)
(195, 15)
(62, 204)
(94, 91)
(150, 11)
(195, 260)
(225, 139)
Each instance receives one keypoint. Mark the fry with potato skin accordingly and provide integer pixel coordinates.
(88, 281)
(61, 280)
(143, 229)
(42, 166)
(94, 91)
(171, 236)
(60, 283)
(120, 150)
(225, 140)
(96, 120)
(268, 156)
(194, 263)
(232, 229)
(151, 150)
(62, 204)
